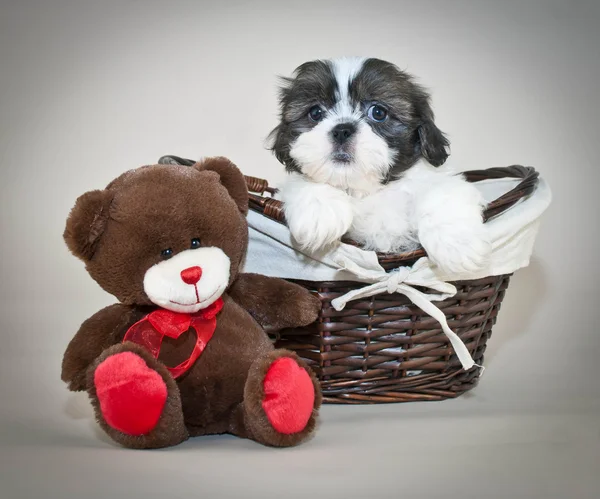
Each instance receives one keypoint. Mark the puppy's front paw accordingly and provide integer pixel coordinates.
(459, 251)
(319, 224)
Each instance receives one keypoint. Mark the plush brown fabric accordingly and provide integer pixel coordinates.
(100, 331)
(231, 178)
(119, 233)
(82, 234)
(274, 303)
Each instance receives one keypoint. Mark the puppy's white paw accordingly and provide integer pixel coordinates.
(455, 250)
(316, 214)
(320, 223)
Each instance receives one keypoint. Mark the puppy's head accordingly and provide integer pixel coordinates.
(355, 123)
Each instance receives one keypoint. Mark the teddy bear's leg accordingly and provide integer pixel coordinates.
(135, 398)
(281, 400)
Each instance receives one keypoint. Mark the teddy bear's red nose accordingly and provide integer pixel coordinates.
(191, 275)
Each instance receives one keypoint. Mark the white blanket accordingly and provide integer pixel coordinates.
(272, 253)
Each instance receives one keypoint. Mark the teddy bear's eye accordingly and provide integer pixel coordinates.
(166, 253)
(195, 243)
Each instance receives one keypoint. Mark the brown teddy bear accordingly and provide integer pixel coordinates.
(184, 353)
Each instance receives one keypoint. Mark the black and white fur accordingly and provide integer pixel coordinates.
(359, 141)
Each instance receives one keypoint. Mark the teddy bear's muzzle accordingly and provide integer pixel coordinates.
(188, 281)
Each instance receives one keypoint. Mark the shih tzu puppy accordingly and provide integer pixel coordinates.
(359, 141)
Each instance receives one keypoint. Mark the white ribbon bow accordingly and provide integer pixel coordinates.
(401, 280)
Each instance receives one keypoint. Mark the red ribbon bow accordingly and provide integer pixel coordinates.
(150, 331)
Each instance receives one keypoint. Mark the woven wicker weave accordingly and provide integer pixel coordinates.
(384, 348)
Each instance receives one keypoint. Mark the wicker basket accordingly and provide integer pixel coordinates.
(384, 348)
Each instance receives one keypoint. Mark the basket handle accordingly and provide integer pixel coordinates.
(529, 180)
(268, 206)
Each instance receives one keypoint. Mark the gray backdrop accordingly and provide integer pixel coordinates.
(90, 89)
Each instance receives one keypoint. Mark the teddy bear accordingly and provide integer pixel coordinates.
(184, 351)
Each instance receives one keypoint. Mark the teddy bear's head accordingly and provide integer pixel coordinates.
(168, 235)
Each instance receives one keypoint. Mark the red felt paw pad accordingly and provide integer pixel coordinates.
(289, 396)
(132, 395)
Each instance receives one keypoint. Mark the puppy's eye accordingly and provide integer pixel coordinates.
(315, 113)
(195, 243)
(166, 253)
(377, 113)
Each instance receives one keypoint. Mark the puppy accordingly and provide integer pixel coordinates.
(359, 141)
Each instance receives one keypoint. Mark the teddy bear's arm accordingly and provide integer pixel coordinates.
(102, 330)
(274, 303)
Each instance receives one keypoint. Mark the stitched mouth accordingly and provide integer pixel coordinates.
(198, 301)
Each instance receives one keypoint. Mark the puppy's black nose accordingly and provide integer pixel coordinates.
(342, 132)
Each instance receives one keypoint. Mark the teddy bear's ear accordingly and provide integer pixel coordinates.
(87, 222)
(231, 177)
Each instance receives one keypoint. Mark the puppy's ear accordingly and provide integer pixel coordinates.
(432, 141)
(231, 177)
(86, 223)
(280, 138)
(277, 143)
